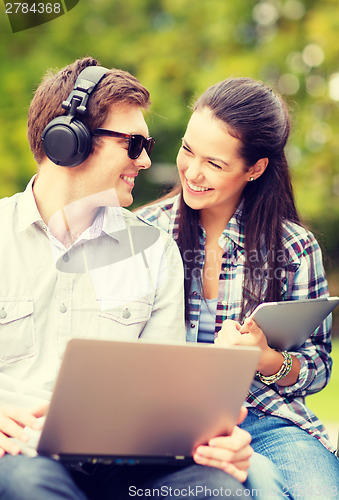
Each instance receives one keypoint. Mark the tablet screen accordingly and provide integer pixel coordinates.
(288, 324)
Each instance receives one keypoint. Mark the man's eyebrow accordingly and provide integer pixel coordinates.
(139, 133)
(209, 158)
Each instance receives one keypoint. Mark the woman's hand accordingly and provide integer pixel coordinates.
(13, 419)
(249, 334)
(230, 453)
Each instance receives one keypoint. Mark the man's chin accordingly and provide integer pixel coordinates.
(125, 201)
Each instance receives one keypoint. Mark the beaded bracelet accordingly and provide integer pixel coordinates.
(284, 370)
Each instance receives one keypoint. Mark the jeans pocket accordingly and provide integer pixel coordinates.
(256, 411)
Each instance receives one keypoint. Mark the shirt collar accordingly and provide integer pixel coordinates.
(109, 220)
(113, 222)
(233, 231)
(28, 212)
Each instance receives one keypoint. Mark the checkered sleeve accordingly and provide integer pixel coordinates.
(162, 214)
(314, 355)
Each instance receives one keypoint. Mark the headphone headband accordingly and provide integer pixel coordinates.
(86, 82)
(66, 140)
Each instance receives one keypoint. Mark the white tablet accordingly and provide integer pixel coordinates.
(289, 323)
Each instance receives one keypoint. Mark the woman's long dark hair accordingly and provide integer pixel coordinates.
(259, 118)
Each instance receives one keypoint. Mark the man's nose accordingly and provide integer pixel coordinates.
(143, 161)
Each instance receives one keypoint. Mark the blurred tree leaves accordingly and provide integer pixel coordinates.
(177, 48)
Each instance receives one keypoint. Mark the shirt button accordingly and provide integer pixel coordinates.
(65, 257)
(195, 293)
(224, 302)
(3, 313)
(63, 308)
(126, 313)
(192, 325)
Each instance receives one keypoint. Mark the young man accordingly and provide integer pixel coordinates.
(72, 266)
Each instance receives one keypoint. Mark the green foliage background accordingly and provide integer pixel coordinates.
(177, 48)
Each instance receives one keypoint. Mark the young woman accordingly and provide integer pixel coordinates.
(242, 243)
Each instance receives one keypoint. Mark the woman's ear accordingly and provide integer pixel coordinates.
(258, 169)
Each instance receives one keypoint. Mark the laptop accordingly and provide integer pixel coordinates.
(144, 403)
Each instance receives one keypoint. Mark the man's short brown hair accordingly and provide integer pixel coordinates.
(117, 86)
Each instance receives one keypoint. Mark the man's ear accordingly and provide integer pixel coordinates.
(258, 169)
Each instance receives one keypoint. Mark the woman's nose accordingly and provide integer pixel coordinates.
(194, 171)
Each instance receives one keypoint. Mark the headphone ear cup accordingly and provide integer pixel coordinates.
(66, 142)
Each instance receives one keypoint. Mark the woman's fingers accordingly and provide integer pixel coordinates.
(229, 334)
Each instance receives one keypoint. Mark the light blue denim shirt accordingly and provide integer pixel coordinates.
(122, 279)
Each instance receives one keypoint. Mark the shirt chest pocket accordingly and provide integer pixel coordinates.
(123, 320)
(17, 331)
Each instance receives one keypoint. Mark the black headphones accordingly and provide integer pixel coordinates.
(66, 140)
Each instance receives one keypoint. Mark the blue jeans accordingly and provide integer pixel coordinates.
(40, 478)
(310, 471)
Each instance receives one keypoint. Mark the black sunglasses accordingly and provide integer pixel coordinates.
(136, 143)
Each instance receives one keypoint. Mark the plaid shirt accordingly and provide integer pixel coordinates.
(303, 277)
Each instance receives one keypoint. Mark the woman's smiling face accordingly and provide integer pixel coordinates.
(212, 173)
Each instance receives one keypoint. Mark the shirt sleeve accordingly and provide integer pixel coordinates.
(158, 214)
(20, 393)
(314, 355)
(167, 322)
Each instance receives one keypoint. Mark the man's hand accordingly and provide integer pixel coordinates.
(230, 453)
(13, 419)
